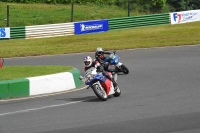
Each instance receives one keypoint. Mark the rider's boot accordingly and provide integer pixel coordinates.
(114, 84)
(114, 81)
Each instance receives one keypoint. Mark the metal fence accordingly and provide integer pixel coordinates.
(65, 29)
(138, 21)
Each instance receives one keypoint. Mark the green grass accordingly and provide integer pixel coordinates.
(38, 14)
(146, 37)
(15, 72)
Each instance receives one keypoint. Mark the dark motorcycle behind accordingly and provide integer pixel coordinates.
(112, 63)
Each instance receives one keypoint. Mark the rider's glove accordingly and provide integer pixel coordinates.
(81, 77)
(101, 62)
(100, 68)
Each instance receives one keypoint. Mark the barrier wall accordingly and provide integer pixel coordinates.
(41, 31)
(64, 29)
(49, 30)
(40, 85)
(138, 21)
(17, 32)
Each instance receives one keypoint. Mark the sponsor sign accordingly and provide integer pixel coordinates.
(91, 26)
(185, 16)
(4, 32)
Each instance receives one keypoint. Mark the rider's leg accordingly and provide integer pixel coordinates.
(112, 79)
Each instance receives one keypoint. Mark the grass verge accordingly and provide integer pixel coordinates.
(146, 37)
(15, 72)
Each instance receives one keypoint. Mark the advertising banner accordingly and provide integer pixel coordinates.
(91, 26)
(185, 16)
(4, 33)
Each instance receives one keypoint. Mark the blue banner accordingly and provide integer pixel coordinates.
(91, 26)
(4, 33)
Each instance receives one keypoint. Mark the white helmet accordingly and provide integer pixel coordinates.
(99, 51)
(88, 61)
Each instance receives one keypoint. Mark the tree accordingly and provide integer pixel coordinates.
(157, 5)
(194, 4)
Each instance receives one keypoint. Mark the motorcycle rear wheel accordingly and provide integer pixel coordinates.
(117, 92)
(124, 69)
(100, 93)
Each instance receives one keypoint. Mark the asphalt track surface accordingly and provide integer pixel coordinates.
(161, 94)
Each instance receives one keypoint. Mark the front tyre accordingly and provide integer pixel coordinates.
(124, 69)
(100, 92)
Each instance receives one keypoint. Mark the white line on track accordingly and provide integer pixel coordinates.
(45, 107)
(42, 95)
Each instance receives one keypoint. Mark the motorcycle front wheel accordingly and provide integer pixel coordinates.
(100, 93)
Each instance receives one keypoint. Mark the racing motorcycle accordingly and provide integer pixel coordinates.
(113, 64)
(101, 86)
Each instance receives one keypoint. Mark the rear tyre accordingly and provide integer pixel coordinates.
(117, 92)
(124, 69)
(100, 93)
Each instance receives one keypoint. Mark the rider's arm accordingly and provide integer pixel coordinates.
(106, 52)
(101, 69)
(106, 75)
(99, 60)
(95, 64)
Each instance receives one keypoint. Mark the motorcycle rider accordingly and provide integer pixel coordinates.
(100, 55)
(88, 62)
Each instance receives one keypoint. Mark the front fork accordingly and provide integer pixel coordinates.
(99, 84)
(119, 65)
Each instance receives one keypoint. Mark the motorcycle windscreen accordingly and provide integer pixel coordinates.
(115, 60)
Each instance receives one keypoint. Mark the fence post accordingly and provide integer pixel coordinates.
(128, 8)
(72, 12)
(186, 5)
(8, 21)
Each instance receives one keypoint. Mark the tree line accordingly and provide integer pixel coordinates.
(137, 5)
